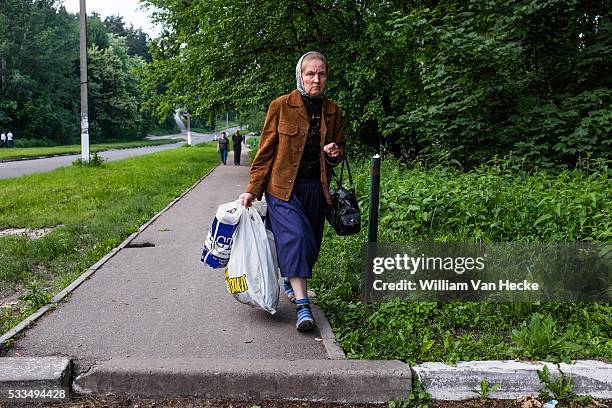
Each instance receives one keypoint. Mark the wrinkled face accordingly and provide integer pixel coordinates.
(314, 75)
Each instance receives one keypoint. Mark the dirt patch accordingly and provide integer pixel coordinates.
(30, 233)
(8, 302)
(117, 402)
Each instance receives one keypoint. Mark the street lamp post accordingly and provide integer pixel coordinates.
(84, 108)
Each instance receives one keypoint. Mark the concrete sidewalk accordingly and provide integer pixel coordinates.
(154, 299)
(153, 314)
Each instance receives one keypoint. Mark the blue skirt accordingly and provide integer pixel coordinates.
(297, 226)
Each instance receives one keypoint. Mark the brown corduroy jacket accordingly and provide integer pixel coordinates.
(281, 146)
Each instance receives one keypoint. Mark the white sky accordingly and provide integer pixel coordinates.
(128, 9)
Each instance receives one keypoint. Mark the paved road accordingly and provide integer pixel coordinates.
(23, 167)
(161, 302)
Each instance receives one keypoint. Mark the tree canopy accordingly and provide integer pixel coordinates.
(454, 80)
(39, 74)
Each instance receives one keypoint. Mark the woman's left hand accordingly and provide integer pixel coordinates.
(332, 150)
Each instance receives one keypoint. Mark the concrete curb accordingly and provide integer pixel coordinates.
(34, 373)
(348, 381)
(345, 381)
(515, 379)
(37, 157)
(327, 335)
(85, 275)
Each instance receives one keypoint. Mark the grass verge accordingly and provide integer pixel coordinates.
(92, 209)
(492, 204)
(29, 152)
(253, 143)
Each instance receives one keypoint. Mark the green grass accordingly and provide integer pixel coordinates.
(93, 208)
(25, 152)
(253, 143)
(491, 204)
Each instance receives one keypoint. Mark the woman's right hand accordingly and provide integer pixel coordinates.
(247, 199)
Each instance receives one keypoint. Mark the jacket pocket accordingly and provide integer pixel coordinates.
(288, 129)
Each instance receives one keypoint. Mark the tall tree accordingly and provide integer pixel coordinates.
(38, 67)
(115, 25)
(115, 99)
(136, 40)
(462, 80)
(96, 31)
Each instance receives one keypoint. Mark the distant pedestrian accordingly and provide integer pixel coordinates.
(3, 140)
(9, 139)
(237, 142)
(222, 147)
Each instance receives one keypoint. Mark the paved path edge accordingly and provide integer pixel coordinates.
(347, 381)
(24, 324)
(514, 378)
(334, 352)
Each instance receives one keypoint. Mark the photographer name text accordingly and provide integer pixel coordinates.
(444, 285)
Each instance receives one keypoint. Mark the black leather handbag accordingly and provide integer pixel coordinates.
(343, 214)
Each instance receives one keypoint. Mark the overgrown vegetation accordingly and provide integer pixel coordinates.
(560, 388)
(418, 398)
(490, 204)
(538, 339)
(463, 80)
(92, 209)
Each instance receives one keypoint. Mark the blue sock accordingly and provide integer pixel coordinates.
(288, 290)
(305, 321)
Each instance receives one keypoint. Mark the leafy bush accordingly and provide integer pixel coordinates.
(95, 161)
(489, 204)
(494, 203)
(540, 340)
(36, 296)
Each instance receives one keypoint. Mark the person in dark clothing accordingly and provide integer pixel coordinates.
(302, 139)
(223, 147)
(237, 142)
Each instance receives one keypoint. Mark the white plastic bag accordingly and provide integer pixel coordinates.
(251, 274)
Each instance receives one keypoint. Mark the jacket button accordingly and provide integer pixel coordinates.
(290, 180)
(294, 164)
(299, 149)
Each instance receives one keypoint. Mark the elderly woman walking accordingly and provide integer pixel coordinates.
(302, 139)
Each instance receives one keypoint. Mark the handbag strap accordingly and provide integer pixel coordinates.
(348, 169)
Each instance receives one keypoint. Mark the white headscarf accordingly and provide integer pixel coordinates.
(298, 71)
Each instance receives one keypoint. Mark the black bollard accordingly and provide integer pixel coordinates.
(372, 226)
